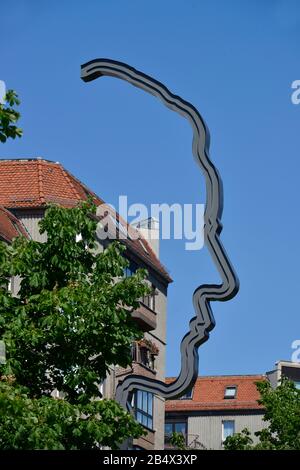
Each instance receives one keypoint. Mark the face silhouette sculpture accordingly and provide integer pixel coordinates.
(203, 322)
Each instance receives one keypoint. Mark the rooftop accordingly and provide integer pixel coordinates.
(209, 394)
(26, 183)
(32, 183)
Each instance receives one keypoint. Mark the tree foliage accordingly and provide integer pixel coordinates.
(239, 441)
(70, 321)
(282, 415)
(46, 423)
(177, 440)
(9, 117)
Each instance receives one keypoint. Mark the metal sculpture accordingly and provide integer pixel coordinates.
(203, 322)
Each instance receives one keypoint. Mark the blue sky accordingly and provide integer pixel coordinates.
(235, 61)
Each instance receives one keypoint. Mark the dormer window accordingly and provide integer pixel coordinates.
(230, 392)
(187, 396)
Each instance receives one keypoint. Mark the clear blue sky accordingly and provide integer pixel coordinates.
(235, 61)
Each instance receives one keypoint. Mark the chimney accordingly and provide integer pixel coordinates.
(149, 229)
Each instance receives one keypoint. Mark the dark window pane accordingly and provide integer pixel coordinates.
(180, 427)
(139, 399)
(228, 428)
(150, 404)
(145, 404)
(187, 396)
(144, 408)
(144, 420)
(168, 428)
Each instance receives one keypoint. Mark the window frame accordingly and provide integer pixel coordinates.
(230, 397)
(173, 423)
(145, 415)
(227, 421)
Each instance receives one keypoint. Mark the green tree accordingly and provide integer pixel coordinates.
(282, 415)
(70, 322)
(239, 441)
(9, 117)
(177, 440)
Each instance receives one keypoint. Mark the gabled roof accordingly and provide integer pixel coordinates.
(35, 183)
(10, 226)
(209, 393)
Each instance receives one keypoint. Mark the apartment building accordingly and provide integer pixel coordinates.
(219, 406)
(27, 186)
(288, 369)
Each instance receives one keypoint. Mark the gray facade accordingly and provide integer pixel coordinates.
(208, 429)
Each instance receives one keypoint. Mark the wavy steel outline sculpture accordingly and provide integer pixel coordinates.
(203, 322)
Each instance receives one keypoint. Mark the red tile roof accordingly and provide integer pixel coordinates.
(37, 182)
(208, 394)
(34, 183)
(10, 226)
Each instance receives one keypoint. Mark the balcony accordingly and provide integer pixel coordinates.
(145, 317)
(145, 442)
(144, 354)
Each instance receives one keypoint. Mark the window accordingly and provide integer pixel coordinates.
(130, 270)
(227, 429)
(187, 395)
(175, 426)
(144, 408)
(180, 427)
(168, 429)
(149, 300)
(230, 392)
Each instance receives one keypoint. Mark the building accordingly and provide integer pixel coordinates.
(220, 406)
(217, 407)
(288, 369)
(27, 186)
